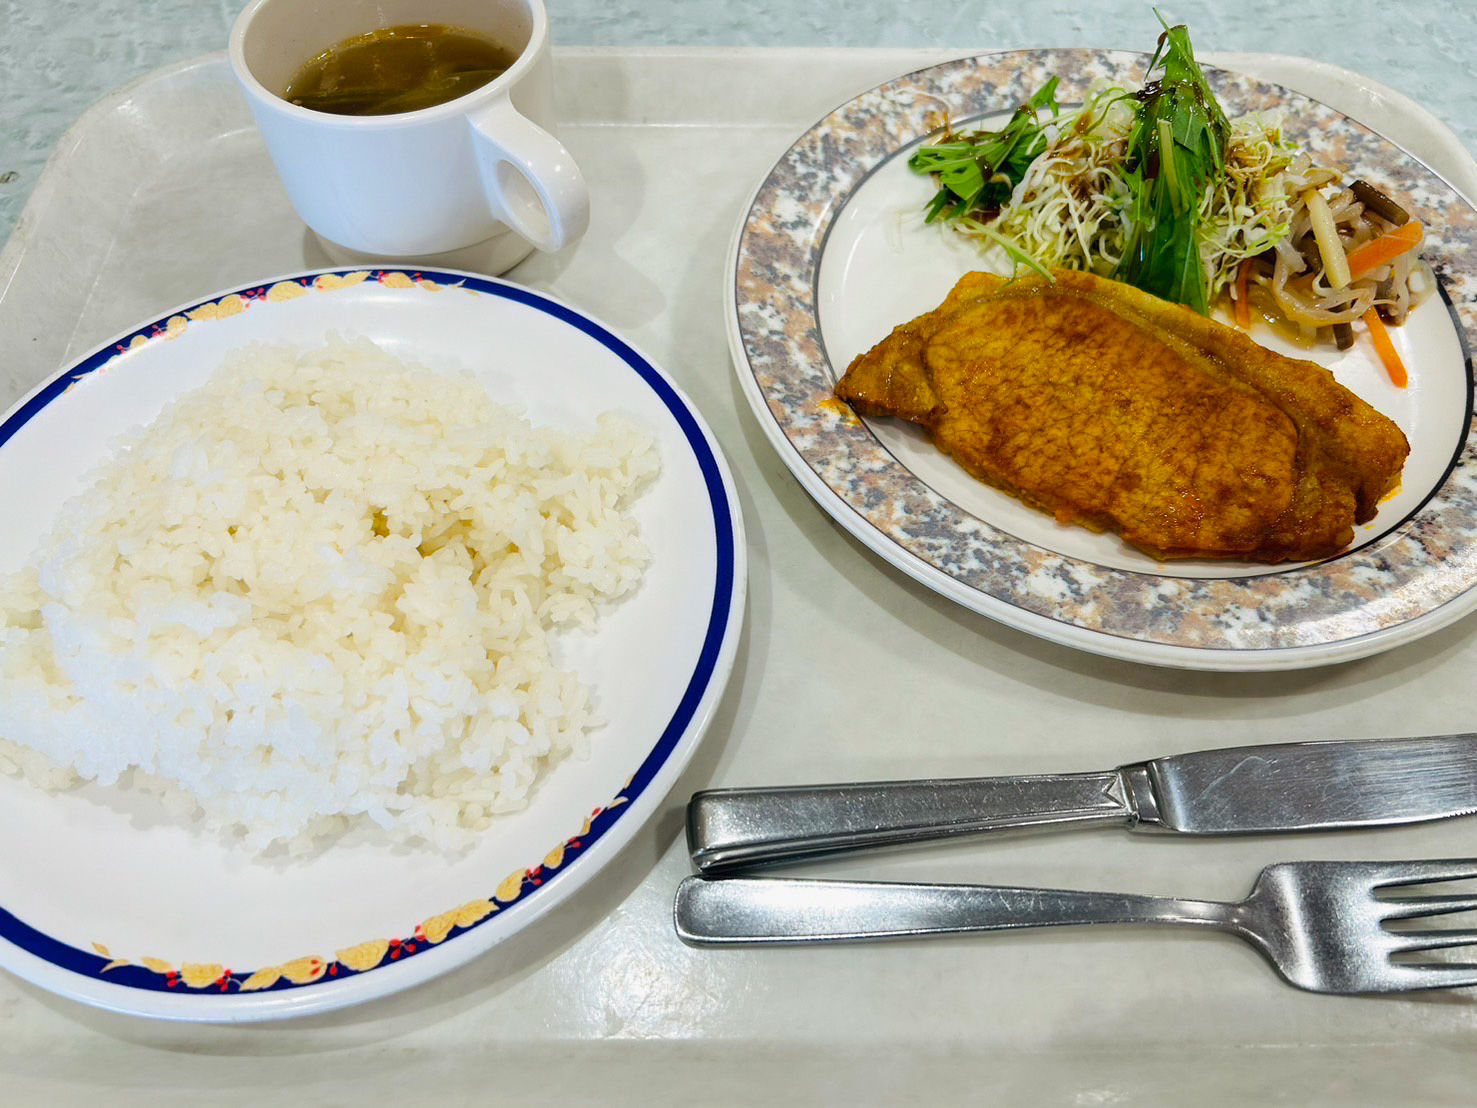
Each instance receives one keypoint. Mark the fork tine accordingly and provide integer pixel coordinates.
(1434, 940)
(1433, 975)
(1410, 907)
(1387, 874)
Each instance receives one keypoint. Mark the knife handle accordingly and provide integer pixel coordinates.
(733, 828)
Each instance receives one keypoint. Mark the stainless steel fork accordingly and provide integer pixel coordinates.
(1322, 925)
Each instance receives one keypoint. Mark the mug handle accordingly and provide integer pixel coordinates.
(530, 179)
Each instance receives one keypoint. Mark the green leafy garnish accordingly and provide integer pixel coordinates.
(1140, 180)
(977, 171)
(1176, 150)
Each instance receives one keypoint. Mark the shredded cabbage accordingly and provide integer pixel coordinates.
(1068, 210)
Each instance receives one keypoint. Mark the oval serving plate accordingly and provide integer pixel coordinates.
(831, 254)
(106, 900)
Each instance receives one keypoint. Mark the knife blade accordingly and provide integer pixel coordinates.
(1304, 786)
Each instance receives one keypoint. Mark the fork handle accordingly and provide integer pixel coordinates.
(716, 911)
(732, 828)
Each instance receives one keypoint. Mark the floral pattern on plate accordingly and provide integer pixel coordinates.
(156, 973)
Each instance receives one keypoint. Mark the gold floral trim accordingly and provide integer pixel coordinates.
(365, 956)
(238, 302)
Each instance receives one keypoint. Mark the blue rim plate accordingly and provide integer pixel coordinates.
(106, 900)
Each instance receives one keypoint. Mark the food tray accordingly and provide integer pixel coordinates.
(848, 669)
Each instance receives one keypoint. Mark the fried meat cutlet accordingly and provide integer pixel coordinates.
(1108, 407)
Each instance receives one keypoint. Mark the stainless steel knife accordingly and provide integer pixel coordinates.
(1310, 786)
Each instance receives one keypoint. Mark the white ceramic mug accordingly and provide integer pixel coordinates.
(423, 183)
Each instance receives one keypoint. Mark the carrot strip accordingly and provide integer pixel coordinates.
(1393, 365)
(1385, 249)
(1243, 308)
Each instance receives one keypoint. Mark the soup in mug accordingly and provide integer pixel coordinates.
(398, 69)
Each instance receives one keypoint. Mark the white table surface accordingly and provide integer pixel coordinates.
(605, 1007)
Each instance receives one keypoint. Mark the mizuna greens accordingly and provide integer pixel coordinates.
(977, 172)
(1176, 150)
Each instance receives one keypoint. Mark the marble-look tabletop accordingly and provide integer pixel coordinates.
(59, 56)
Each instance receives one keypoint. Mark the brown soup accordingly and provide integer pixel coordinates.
(398, 69)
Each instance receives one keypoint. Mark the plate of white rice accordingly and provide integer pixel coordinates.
(349, 622)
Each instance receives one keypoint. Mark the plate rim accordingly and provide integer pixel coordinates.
(629, 811)
(1048, 628)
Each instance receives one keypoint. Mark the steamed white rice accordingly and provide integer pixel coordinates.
(318, 592)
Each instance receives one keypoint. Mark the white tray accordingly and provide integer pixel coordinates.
(848, 670)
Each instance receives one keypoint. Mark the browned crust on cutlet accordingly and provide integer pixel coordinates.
(1110, 408)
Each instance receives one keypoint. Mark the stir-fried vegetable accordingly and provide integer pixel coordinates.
(1385, 249)
(1326, 236)
(1243, 304)
(1385, 347)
